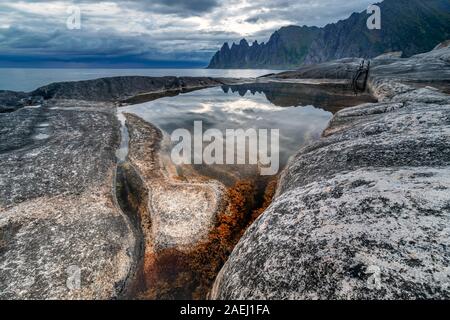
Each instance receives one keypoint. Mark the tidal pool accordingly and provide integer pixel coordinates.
(299, 111)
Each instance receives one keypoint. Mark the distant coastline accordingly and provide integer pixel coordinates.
(28, 79)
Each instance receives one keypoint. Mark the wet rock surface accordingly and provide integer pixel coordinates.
(175, 216)
(364, 212)
(182, 212)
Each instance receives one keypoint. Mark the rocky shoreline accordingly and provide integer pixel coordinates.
(113, 90)
(362, 213)
(58, 212)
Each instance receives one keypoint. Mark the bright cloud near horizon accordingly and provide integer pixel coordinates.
(139, 32)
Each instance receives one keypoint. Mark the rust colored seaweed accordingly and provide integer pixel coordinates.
(174, 274)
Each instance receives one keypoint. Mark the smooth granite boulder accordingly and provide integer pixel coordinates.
(363, 213)
(62, 235)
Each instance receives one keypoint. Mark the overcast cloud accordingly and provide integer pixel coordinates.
(136, 32)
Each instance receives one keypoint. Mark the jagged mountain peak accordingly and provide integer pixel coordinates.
(244, 43)
(225, 47)
(291, 43)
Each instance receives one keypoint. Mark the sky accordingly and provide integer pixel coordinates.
(148, 33)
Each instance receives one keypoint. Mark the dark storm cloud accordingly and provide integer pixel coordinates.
(177, 7)
(181, 7)
(152, 30)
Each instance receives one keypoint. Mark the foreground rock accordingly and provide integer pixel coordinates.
(364, 213)
(121, 88)
(58, 217)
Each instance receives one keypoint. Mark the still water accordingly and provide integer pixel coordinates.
(300, 112)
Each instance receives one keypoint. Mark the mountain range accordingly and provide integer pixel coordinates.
(410, 26)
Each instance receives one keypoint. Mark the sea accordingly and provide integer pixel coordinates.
(28, 79)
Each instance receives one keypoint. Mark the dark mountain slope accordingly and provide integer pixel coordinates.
(411, 26)
(285, 48)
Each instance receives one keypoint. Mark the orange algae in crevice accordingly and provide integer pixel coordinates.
(173, 274)
(246, 203)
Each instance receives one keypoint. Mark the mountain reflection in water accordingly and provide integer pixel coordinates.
(329, 97)
(300, 112)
